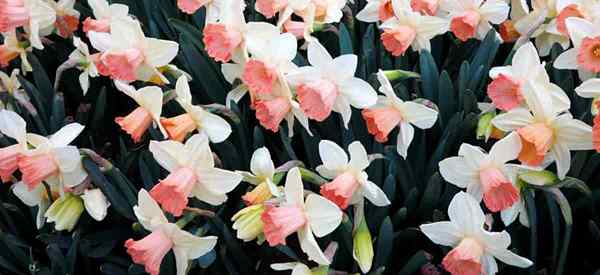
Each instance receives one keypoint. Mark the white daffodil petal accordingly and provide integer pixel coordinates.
(30, 198)
(332, 155)
(506, 149)
(419, 115)
(405, 137)
(261, 163)
(589, 89)
(323, 215)
(442, 233)
(465, 213)
(359, 159)
(167, 153)
(309, 245)
(13, 125)
(66, 134)
(95, 203)
(374, 194)
(456, 171)
(294, 189)
(218, 180)
(148, 212)
(160, 52)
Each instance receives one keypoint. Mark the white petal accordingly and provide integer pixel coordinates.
(465, 213)
(419, 115)
(309, 245)
(474, 156)
(566, 60)
(506, 149)
(181, 261)
(342, 68)
(323, 215)
(318, 55)
(342, 106)
(193, 246)
(431, 26)
(84, 81)
(182, 88)
(510, 214)
(218, 180)
(358, 93)
(510, 258)
(370, 13)
(150, 98)
(513, 119)
(30, 198)
(562, 156)
(573, 133)
(489, 265)
(160, 52)
(283, 48)
(101, 41)
(456, 171)
(200, 192)
(405, 137)
(579, 28)
(99, 7)
(359, 159)
(148, 212)
(13, 125)
(261, 163)
(589, 88)
(40, 218)
(66, 134)
(442, 233)
(217, 128)
(125, 33)
(332, 155)
(294, 189)
(68, 158)
(495, 11)
(167, 153)
(525, 58)
(374, 194)
(74, 177)
(95, 203)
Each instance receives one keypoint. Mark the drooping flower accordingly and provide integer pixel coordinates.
(104, 13)
(33, 15)
(485, 176)
(473, 18)
(53, 160)
(410, 28)
(312, 217)
(262, 173)
(475, 250)
(192, 174)
(137, 122)
(391, 112)
(224, 38)
(329, 85)
(545, 131)
(129, 55)
(248, 223)
(507, 88)
(85, 62)
(65, 212)
(164, 237)
(349, 180)
(196, 118)
(67, 17)
(585, 54)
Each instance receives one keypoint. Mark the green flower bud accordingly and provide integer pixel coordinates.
(247, 222)
(65, 212)
(363, 246)
(539, 178)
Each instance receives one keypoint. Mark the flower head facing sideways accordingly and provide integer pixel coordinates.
(223, 38)
(129, 55)
(473, 18)
(585, 54)
(546, 133)
(350, 182)
(137, 122)
(507, 88)
(195, 118)
(164, 237)
(485, 176)
(13, 126)
(67, 17)
(262, 173)
(192, 174)
(53, 160)
(329, 85)
(391, 112)
(315, 216)
(85, 62)
(409, 28)
(475, 250)
(34, 16)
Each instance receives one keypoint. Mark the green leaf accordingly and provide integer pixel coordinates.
(345, 40)
(99, 109)
(192, 33)
(414, 263)
(201, 70)
(385, 243)
(57, 117)
(429, 76)
(431, 196)
(565, 208)
(447, 98)
(532, 214)
(116, 199)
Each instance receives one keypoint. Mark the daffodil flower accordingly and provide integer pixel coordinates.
(350, 182)
(67, 17)
(104, 14)
(262, 172)
(473, 18)
(13, 48)
(475, 250)
(408, 28)
(506, 89)
(165, 236)
(85, 62)
(12, 86)
(195, 118)
(148, 113)
(329, 85)
(315, 216)
(584, 56)
(545, 131)
(391, 112)
(34, 16)
(129, 55)
(53, 160)
(485, 176)
(588, 10)
(192, 174)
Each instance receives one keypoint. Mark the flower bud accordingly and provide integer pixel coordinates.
(539, 178)
(65, 212)
(485, 128)
(363, 246)
(247, 222)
